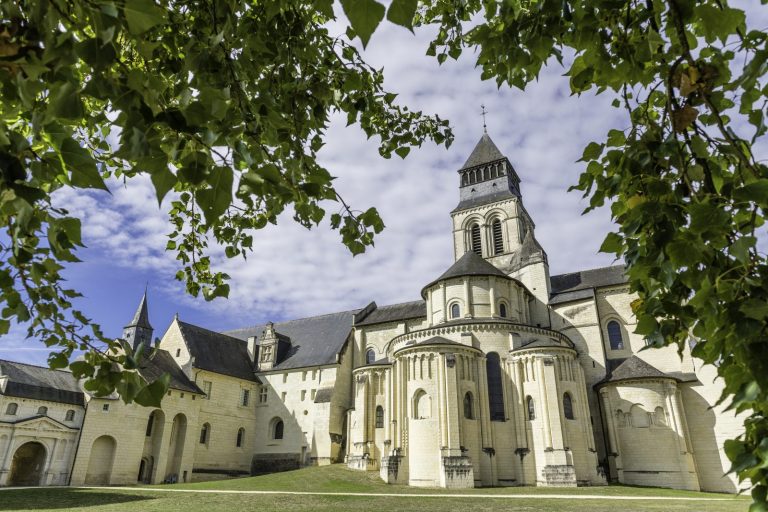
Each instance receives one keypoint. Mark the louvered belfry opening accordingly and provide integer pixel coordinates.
(476, 245)
(498, 240)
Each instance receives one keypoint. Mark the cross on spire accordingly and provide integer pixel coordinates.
(483, 112)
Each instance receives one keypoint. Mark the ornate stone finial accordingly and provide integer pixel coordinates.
(483, 112)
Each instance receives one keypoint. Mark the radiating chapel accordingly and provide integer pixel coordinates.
(500, 374)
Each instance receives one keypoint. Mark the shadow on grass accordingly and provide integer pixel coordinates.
(62, 499)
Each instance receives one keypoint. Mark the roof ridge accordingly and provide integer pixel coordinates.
(349, 311)
(589, 269)
(402, 303)
(210, 330)
(36, 366)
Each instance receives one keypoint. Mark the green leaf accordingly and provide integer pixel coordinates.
(215, 200)
(401, 12)
(364, 16)
(718, 22)
(64, 102)
(163, 180)
(613, 244)
(85, 174)
(143, 15)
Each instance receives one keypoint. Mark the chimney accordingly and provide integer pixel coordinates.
(252, 342)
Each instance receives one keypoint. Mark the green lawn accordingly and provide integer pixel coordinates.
(340, 479)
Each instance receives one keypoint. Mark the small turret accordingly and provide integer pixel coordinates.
(139, 330)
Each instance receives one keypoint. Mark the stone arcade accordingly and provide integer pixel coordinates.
(499, 375)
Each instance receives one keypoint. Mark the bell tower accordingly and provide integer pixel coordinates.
(139, 330)
(491, 221)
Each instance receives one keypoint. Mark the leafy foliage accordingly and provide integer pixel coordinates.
(223, 102)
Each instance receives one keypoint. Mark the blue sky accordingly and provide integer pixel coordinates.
(294, 272)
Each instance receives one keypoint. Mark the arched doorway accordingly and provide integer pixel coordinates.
(176, 449)
(100, 463)
(27, 466)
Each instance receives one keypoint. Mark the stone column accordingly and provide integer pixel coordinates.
(492, 295)
(543, 405)
(521, 435)
(482, 384)
(467, 305)
(613, 440)
(445, 301)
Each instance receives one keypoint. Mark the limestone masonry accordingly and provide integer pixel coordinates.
(500, 375)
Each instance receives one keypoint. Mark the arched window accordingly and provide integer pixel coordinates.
(502, 310)
(240, 437)
(455, 311)
(614, 335)
(495, 391)
(659, 417)
(11, 409)
(474, 235)
(150, 422)
(379, 416)
(531, 408)
(205, 433)
(277, 430)
(498, 240)
(370, 356)
(468, 406)
(42, 411)
(567, 406)
(70, 416)
(422, 405)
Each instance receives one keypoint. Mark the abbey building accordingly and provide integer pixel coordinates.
(498, 375)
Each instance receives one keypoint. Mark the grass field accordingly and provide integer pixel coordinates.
(338, 479)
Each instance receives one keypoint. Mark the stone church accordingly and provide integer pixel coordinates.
(499, 375)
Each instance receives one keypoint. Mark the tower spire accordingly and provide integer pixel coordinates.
(139, 330)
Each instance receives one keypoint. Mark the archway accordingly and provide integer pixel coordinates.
(100, 463)
(176, 448)
(27, 466)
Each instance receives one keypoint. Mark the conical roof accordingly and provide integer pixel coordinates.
(141, 318)
(485, 151)
(468, 265)
(636, 368)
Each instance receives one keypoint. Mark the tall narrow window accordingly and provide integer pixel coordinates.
(204, 433)
(150, 423)
(495, 391)
(277, 430)
(498, 239)
(370, 356)
(240, 437)
(614, 335)
(379, 417)
(503, 310)
(531, 408)
(475, 239)
(455, 311)
(207, 385)
(468, 406)
(245, 397)
(567, 406)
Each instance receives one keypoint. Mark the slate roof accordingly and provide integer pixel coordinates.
(395, 313)
(159, 362)
(217, 352)
(141, 317)
(468, 265)
(315, 341)
(485, 151)
(634, 368)
(578, 285)
(435, 340)
(480, 200)
(544, 343)
(39, 383)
